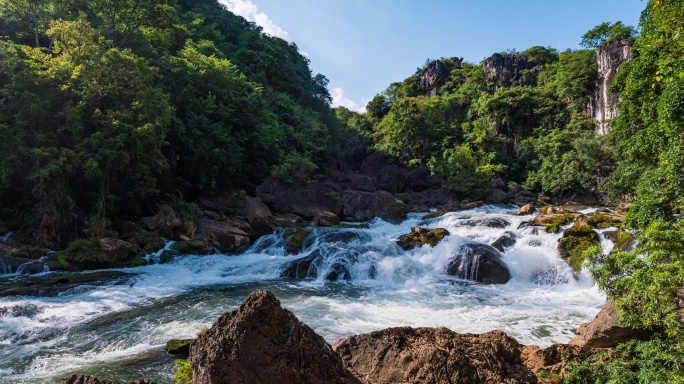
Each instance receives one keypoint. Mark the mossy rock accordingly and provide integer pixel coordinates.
(605, 220)
(150, 242)
(87, 254)
(294, 239)
(30, 252)
(624, 240)
(551, 219)
(182, 248)
(421, 236)
(179, 347)
(575, 241)
(301, 268)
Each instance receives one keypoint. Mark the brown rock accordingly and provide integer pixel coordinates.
(224, 235)
(421, 236)
(261, 342)
(87, 379)
(553, 360)
(525, 210)
(603, 331)
(434, 355)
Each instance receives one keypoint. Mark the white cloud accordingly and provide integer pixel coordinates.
(339, 100)
(249, 11)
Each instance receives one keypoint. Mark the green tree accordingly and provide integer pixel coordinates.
(606, 32)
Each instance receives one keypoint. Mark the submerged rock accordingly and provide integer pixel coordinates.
(302, 267)
(422, 236)
(479, 262)
(504, 241)
(52, 285)
(261, 342)
(434, 355)
(603, 331)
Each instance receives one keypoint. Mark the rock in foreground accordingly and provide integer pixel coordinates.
(603, 331)
(434, 355)
(263, 343)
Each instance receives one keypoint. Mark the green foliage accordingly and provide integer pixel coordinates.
(460, 169)
(656, 361)
(646, 283)
(184, 373)
(296, 169)
(648, 130)
(607, 32)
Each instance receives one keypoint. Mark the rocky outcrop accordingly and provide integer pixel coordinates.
(315, 202)
(422, 236)
(310, 267)
(87, 379)
(603, 104)
(504, 70)
(101, 253)
(52, 285)
(179, 347)
(294, 239)
(479, 262)
(436, 74)
(261, 342)
(434, 355)
(504, 241)
(552, 219)
(603, 331)
(257, 215)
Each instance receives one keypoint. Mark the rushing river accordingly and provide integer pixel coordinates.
(118, 331)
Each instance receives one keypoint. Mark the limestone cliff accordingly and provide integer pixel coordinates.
(509, 69)
(602, 105)
(436, 74)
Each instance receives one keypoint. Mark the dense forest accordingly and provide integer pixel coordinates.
(114, 108)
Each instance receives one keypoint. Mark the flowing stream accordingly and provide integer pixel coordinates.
(119, 330)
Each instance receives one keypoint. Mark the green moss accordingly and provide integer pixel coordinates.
(184, 373)
(88, 254)
(552, 228)
(150, 242)
(138, 262)
(421, 236)
(294, 239)
(605, 220)
(624, 239)
(178, 346)
(576, 240)
(63, 261)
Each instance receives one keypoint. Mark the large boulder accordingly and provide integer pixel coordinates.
(257, 215)
(434, 355)
(226, 236)
(261, 342)
(504, 241)
(87, 379)
(101, 253)
(422, 236)
(364, 206)
(479, 262)
(392, 179)
(525, 210)
(603, 331)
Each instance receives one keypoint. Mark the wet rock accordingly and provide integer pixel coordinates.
(294, 239)
(344, 236)
(553, 219)
(87, 379)
(261, 342)
(338, 272)
(434, 355)
(422, 236)
(53, 284)
(179, 347)
(303, 267)
(10, 264)
(504, 241)
(226, 236)
(491, 222)
(182, 248)
(603, 331)
(577, 239)
(479, 262)
(527, 209)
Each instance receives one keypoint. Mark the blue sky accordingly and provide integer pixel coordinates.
(362, 46)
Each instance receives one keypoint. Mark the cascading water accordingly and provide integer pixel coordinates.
(346, 281)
